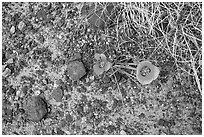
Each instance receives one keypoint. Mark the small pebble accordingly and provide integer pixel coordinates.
(6, 72)
(91, 78)
(122, 132)
(12, 30)
(18, 93)
(76, 70)
(21, 25)
(57, 94)
(10, 61)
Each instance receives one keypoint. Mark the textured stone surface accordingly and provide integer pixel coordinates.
(36, 108)
(57, 94)
(76, 70)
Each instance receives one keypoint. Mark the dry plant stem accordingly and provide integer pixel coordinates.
(133, 78)
(125, 67)
(196, 76)
(118, 87)
(147, 17)
(194, 69)
(113, 73)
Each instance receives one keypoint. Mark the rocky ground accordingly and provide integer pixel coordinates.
(49, 86)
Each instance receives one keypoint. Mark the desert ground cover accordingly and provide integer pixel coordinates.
(101, 68)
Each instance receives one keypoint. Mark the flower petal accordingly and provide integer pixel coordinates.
(97, 70)
(107, 66)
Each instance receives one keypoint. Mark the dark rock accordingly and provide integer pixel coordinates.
(75, 70)
(57, 94)
(36, 108)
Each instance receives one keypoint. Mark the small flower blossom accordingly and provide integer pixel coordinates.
(147, 72)
(101, 64)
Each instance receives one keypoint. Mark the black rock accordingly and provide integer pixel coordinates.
(36, 108)
(76, 70)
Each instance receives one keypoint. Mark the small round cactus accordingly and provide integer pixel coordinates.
(147, 72)
(101, 64)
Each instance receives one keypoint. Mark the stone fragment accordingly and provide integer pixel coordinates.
(75, 70)
(6, 72)
(21, 25)
(57, 94)
(122, 132)
(35, 108)
(12, 30)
